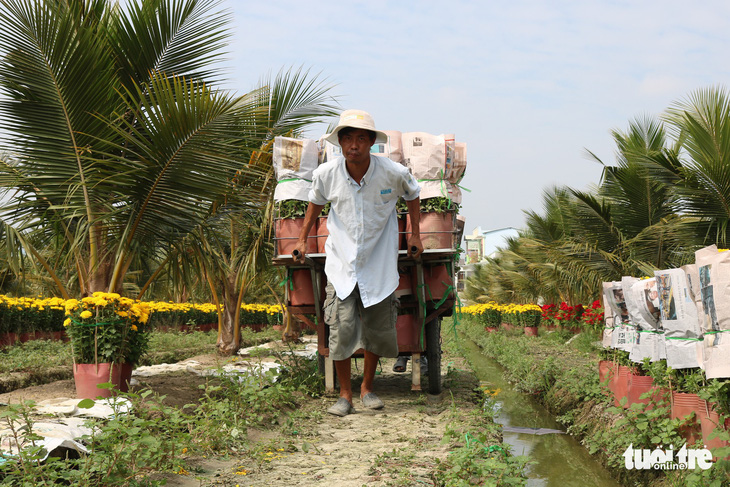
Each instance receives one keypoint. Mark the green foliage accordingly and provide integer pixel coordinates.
(121, 448)
(438, 204)
(291, 209)
(642, 426)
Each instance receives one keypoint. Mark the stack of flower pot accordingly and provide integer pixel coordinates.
(294, 162)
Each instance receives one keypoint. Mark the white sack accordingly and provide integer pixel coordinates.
(714, 276)
(294, 162)
(683, 337)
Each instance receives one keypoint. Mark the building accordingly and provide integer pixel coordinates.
(480, 245)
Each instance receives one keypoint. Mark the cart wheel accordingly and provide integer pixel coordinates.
(433, 355)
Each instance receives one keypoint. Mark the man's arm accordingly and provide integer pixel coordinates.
(310, 217)
(414, 212)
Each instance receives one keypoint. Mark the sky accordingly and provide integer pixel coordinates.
(528, 85)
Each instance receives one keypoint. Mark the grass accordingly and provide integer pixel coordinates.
(42, 361)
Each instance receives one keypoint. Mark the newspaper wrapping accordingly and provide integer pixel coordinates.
(629, 327)
(608, 316)
(294, 162)
(328, 150)
(693, 287)
(392, 149)
(683, 338)
(426, 157)
(617, 304)
(713, 267)
(643, 304)
(456, 173)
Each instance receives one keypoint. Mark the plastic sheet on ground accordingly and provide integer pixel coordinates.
(55, 438)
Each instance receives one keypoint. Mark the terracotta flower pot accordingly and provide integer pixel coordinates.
(287, 234)
(88, 376)
(621, 385)
(322, 233)
(638, 386)
(125, 376)
(402, 235)
(507, 326)
(437, 230)
(301, 292)
(405, 284)
(491, 329)
(683, 405)
(604, 368)
(437, 281)
(531, 331)
(409, 332)
(709, 422)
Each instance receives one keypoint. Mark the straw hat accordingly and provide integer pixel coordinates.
(356, 119)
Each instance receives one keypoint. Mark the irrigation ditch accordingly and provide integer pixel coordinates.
(558, 373)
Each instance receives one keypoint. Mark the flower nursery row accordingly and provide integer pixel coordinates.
(493, 315)
(25, 315)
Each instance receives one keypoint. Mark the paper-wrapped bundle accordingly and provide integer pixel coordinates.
(608, 317)
(628, 328)
(456, 172)
(294, 162)
(393, 149)
(683, 337)
(617, 304)
(695, 295)
(327, 150)
(642, 301)
(713, 267)
(425, 155)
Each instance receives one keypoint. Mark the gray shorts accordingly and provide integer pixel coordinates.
(353, 326)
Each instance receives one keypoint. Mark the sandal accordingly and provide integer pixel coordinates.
(400, 364)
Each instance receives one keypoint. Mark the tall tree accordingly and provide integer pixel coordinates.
(121, 145)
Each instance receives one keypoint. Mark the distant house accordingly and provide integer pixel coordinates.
(480, 245)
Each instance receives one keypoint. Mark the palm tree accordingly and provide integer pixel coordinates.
(628, 225)
(122, 147)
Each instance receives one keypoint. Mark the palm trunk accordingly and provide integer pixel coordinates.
(228, 341)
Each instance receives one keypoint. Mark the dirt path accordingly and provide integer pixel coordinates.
(400, 445)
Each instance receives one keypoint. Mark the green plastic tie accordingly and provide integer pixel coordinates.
(293, 179)
(687, 339)
(101, 323)
(715, 332)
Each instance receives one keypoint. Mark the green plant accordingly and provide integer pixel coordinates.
(291, 208)
(438, 204)
(106, 327)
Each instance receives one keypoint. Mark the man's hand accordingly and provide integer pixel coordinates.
(298, 253)
(414, 241)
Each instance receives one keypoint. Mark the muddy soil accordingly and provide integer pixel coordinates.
(398, 445)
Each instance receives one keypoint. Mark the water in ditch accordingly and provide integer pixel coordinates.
(558, 459)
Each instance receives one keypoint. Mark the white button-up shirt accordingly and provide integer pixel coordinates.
(362, 247)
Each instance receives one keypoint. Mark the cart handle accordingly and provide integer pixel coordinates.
(307, 261)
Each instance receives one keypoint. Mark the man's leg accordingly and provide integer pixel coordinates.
(368, 374)
(343, 375)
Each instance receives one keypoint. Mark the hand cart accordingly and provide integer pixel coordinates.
(418, 299)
